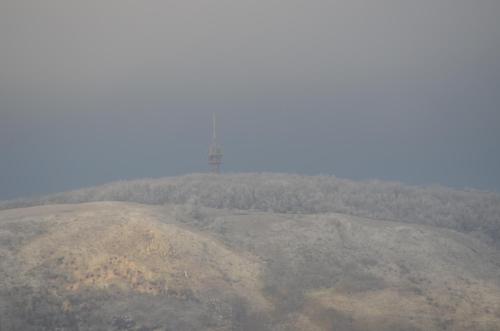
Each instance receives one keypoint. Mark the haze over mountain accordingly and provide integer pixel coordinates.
(395, 90)
(400, 97)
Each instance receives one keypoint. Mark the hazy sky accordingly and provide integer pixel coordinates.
(99, 90)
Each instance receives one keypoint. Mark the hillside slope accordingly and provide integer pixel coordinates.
(125, 266)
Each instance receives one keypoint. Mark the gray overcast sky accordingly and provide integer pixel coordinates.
(94, 91)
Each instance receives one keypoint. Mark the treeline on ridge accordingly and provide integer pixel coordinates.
(462, 210)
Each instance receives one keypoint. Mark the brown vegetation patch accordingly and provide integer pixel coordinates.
(473, 307)
(127, 248)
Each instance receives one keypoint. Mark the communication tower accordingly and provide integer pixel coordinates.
(215, 151)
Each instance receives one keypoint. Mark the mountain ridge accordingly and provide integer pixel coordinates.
(465, 211)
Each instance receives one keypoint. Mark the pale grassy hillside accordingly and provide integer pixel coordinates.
(125, 266)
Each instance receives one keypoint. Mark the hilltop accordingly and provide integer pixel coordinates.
(468, 211)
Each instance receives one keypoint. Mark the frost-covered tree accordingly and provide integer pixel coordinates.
(462, 210)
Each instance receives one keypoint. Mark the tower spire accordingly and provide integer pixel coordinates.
(214, 132)
(214, 152)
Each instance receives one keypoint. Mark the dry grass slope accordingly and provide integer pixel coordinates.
(123, 248)
(115, 244)
(125, 266)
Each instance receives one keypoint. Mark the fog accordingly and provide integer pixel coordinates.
(95, 91)
(360, 184)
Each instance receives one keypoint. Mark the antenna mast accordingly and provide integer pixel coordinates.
(214, 152)
(214, 132)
